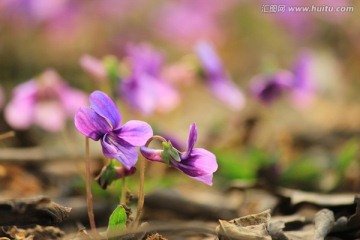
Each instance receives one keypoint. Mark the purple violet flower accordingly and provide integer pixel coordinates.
(302, 85)
(268, 88)
(197, 163)
(102, 121)
(217, 78)
(298, 83)
(45, 101)
(145, 89)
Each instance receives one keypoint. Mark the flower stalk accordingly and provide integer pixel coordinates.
(123, 188)
(141, 194)
(88, 189)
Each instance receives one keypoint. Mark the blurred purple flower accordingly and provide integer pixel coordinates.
(102, 120)
(144, 89)
(302, 85)
(298, 83)
(217, 78)
(45, 101)
(197, 163)
(94, 67)
(268, 88)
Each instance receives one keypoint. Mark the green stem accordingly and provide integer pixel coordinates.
(141, 194)
(88, 189)
(123, 188)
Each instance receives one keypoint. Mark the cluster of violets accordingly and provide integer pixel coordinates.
(141, 80)
(146, 87)
(102, 121)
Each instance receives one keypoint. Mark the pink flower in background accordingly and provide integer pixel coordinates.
(46, 101)
(217, 78)
(144, 89)
(94, 67)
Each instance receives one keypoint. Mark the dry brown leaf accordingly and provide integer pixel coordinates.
(251, 227)
(39, 210)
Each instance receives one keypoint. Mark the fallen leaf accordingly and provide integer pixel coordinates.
(251, 227)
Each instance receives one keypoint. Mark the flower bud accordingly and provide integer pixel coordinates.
(112, 173)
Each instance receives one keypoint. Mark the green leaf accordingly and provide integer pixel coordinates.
(347, 155)
(236, 165)
(304, 172)
(117, 220)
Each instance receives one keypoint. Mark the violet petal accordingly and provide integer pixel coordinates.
(200, 165)
(191, 140)
(91, 124)
(207, 179)
(135, 132)
(105, 107)
(114, 147)
(151, 154)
